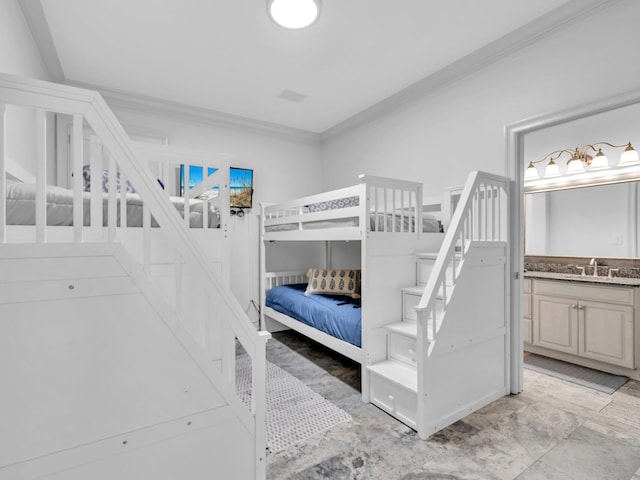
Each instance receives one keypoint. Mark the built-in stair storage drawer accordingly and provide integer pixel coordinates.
(425, 263)
(410, 299)
(402, 347)
(393, 388)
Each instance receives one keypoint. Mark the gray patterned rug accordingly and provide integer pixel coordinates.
(587, 377)
(294, 411)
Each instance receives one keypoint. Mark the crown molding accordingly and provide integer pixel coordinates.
(542, 27)
(571, 12)
(155, 106)
(37, 23)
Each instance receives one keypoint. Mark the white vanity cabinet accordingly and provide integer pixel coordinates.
(588, 321)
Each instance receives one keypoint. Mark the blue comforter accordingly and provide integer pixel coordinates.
(339, 316)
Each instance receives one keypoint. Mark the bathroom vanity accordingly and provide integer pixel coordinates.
(586, 320)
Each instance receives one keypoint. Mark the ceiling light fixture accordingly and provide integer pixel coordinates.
(580, 161)
(294, 14)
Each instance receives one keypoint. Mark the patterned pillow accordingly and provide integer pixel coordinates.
(333, 282)
(333, 204)
(86, 175)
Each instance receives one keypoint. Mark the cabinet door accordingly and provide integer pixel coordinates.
(555, 323)
(606, 333)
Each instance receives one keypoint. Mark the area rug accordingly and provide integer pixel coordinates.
(587, 377)
(294, 413)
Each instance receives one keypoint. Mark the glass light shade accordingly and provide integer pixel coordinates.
(600, 161)
(552, 170)
(629, 156)
(575, 165)
(293, 14)
(531, 173)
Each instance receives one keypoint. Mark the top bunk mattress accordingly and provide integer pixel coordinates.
(377, 221)
(21, 198)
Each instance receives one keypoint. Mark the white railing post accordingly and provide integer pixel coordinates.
(259, 408)
(41, 176)
(78, 181)
(146, 238)
(112, 207)
(123, 200)
(95, 168)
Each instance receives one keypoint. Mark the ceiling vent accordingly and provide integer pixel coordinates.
(292, 96)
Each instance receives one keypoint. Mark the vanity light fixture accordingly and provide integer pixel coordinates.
(580, 161)
(294, 14)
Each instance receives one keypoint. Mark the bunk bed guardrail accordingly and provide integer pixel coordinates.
(224, 313)
(375, 206)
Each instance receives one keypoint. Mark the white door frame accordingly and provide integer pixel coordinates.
(514, 153)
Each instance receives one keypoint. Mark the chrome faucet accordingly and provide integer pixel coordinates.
(595, 266)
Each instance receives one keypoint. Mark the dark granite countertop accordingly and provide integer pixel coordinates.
(572, 277)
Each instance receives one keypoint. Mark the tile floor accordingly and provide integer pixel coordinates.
(552, 430)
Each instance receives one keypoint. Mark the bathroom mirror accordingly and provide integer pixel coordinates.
(595, 221)
(599, 219)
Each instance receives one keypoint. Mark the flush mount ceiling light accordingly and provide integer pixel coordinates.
(293, 14)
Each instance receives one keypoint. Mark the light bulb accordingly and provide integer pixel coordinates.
(293, 14)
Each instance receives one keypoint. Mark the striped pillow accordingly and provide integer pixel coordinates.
(333, 281)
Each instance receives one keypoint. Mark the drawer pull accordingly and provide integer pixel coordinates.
(411, 351)
(391, 399)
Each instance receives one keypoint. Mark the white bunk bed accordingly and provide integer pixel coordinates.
(376, 227)
(109, 200)
(439, 350)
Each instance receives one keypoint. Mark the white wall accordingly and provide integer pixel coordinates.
(19, 56)
(441, 137)
(283, 168)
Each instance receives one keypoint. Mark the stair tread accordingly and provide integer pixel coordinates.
(419, 290)
(409, 329)
(400, 373)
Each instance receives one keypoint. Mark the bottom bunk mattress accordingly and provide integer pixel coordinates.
(336, 315)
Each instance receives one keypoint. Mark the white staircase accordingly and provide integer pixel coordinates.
(99, 378)
(449, 354)
(394, 381)
(104, 374)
